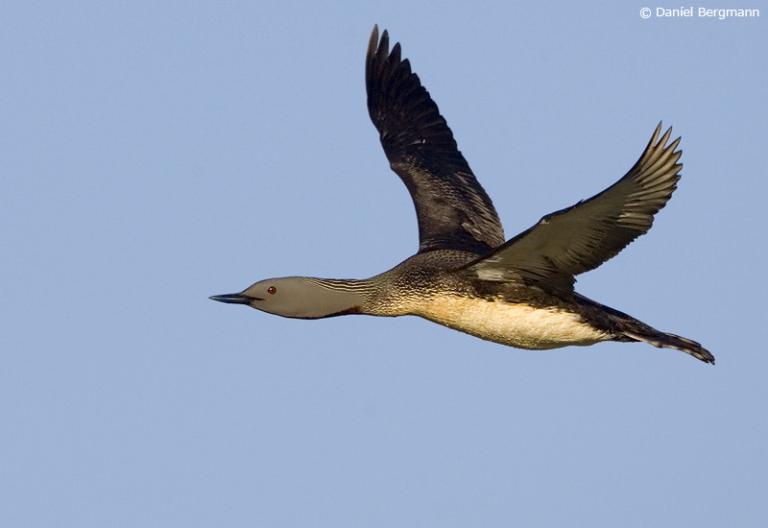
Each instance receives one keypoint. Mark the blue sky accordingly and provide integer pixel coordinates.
(156, 153)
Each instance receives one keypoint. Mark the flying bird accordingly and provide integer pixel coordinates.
(466, 275)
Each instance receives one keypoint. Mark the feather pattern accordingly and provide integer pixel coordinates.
(581, 237)
(453, 210)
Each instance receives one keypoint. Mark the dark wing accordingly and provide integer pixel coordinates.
(581, 237)
(452, 208)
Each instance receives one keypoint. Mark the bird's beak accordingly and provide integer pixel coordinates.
(233, 298)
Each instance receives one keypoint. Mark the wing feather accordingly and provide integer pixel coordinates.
(580, 238)
(452, 208)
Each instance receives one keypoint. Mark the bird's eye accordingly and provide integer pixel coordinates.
(271, 290)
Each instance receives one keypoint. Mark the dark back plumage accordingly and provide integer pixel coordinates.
(453, 210)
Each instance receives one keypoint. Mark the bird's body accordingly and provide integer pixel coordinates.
(465, 276)
(506, 313)
(431, 285)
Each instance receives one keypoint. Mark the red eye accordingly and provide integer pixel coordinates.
(271, 290)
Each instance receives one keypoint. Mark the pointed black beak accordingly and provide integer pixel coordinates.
(233, 298)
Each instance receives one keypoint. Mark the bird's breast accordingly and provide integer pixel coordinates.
(515, 324)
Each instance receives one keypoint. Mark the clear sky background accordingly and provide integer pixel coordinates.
(156, 153)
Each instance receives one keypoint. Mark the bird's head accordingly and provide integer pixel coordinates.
(296, 297)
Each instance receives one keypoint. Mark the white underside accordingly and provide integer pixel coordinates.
(518, 325)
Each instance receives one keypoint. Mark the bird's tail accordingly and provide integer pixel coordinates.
(646, 334)
(624, 327)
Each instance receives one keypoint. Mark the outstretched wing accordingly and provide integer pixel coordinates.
(452, 208)
(581, 237)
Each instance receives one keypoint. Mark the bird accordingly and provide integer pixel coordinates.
(465, 274)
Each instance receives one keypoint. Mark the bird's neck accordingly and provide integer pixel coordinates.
(344, 296)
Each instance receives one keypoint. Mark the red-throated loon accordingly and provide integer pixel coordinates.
(465, 276)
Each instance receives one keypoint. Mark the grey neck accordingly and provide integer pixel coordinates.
(342, 296)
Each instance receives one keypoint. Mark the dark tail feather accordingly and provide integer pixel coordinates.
(624, 327)
(653, 337)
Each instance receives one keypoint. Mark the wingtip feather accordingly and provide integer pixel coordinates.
(384, 42)
(656, 133)
(665, 138)
(373, 41)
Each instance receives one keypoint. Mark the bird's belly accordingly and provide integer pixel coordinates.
(518, 325)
